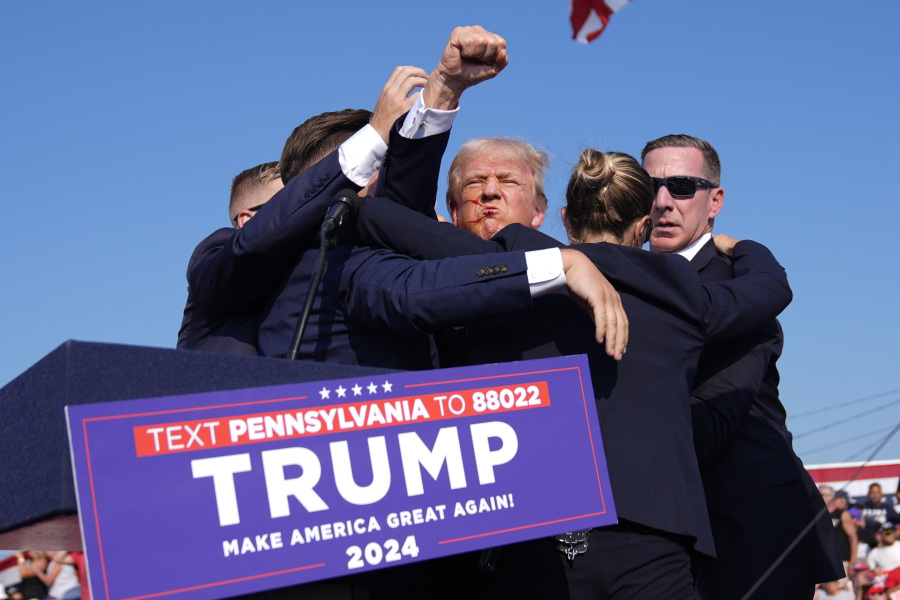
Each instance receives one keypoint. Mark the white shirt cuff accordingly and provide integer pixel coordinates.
(545, 271)
(422, 122)
(361, 155)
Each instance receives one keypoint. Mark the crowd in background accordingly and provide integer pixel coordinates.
(866, 528)
(55, 574)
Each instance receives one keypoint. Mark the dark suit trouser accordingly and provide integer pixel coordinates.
(527, 570)
(785, 582)
(631, 562)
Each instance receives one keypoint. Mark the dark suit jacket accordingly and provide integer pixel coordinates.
(375, 307)
(233, 273)
(643, 400)
(233, 332)
(755, 483)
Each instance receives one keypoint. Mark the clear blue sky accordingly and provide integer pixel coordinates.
(123, 123)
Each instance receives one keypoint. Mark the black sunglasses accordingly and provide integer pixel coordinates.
(251, 209)
(679, 186)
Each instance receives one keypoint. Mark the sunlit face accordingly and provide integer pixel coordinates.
(496, 191)
(875, 494)
(679, 222)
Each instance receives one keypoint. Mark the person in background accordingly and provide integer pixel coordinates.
(877, 510)
(834, 590)
(30, 586)
(896, 500)
(886, 557)
(844, 525)
(78, 561)
(891, 582)
(877, 592)
(60, 578)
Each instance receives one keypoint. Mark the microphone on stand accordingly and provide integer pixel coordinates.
(346, 202)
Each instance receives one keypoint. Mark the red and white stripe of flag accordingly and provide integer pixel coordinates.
(590, 17)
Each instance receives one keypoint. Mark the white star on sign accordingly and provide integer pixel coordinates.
(325, 393)
(387, 386)
(357, 391)
(341, 391)
(372, 388)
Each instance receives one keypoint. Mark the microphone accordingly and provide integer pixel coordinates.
(345, 202)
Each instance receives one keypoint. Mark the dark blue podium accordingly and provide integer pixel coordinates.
(39, 509)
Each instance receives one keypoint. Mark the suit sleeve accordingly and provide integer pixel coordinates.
(389, 292)
(411, 169)
(385, 224)
(722, 400)
(244, 266)
(730, 377)
(757, 294)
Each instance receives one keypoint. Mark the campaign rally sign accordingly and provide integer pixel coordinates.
(226, 493)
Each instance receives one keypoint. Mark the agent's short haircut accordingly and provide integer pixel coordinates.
(244, 182)
(712, 169)
(517, 150)
(318, 137)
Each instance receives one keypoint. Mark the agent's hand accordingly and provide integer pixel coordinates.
(591, 291)
(472, 55)
(725, 244)
(395, 98)
(368, 190)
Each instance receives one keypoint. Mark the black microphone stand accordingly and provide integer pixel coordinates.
(327, 241)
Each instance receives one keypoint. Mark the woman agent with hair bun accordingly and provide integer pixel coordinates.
(643, 400)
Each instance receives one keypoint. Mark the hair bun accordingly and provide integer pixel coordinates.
(595, 169)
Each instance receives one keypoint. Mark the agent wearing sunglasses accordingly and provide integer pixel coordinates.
(758, 495)
(688, 198)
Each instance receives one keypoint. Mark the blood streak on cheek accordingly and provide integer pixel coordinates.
(489, 210)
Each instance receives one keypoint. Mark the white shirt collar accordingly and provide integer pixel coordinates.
(691, 251)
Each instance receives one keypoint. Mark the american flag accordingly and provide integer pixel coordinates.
(590, 17)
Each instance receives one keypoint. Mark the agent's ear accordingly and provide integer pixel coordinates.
(717, 200)
(641, 232)
(241, 218)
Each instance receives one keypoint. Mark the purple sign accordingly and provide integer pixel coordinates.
(226, 493)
